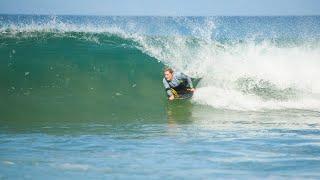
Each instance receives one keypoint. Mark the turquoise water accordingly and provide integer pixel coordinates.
(82, 97)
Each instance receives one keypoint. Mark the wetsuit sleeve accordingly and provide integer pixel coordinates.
(190, 85)
(167, 87)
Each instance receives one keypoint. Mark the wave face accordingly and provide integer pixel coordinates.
(99, 64)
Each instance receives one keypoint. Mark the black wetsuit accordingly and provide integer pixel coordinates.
(179, 83)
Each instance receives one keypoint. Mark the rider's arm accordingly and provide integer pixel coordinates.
(167, 87)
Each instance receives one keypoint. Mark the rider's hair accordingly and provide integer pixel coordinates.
(168, 69)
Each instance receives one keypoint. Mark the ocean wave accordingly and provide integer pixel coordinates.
(252, 73)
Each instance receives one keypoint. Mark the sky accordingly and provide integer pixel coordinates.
(162, 7)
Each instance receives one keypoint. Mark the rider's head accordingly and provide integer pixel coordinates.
(168, 74)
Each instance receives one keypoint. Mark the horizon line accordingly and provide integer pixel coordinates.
(158, 15)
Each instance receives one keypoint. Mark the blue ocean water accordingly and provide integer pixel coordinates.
(82, 97)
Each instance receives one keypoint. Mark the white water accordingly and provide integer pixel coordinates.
(296, 68)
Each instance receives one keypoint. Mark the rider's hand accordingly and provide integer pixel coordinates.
(192, 90)
(171, 98)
